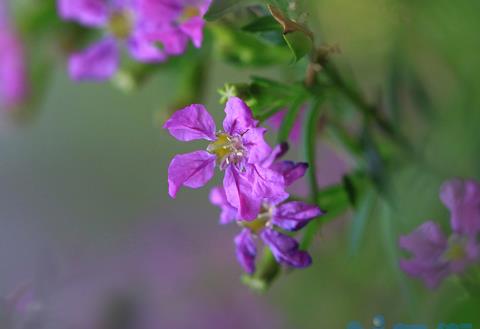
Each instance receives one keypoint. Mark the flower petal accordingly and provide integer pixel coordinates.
(267, 184)
(193, 170)
(277, 152)
(246, 251)
(219, 198)
(462, 198)
(98, 62)
(292, 216)
(291, 171)
(193, 27)
(255, 144)
(191, 123)
(172, 40)
(13, 75)
(285, 249)
(427, 241)
(239, 117)
(143, 50)
(427, 244)
(239, 193)
(87, 12)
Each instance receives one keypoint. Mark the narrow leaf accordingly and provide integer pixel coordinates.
(290, 118)
(299, 43)
(360, 220)
(298, 37)
(262, 24)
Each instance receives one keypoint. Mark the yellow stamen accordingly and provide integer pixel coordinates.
(221, 147)
(189, 12)
(256, 225)
(456, 251)
(121, 24)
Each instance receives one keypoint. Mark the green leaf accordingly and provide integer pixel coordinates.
(262, 24)
(290, 118)
(310, 147)
(218, 8)
(245, 49)
(360, 220)
(299, 43)
(298, 37)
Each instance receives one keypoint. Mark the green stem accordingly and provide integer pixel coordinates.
(267, 271)
(310, 143)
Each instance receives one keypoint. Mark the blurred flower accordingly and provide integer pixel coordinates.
(435, 255)
(180, 19)
(239, 150)
(152, 31)
(275, 214)
(275, 121)
(13, 76)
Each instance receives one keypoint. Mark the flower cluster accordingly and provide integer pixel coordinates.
(13, 81)
(254, 186)
(152, 30)
(435, 255)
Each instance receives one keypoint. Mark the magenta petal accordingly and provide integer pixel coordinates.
(427, 245)
(285, 249)
(87, 12)
(172, 40)
(277, 152)
(292, 216)
(145, 51)
(427, 241)
(219, 198)
(255, 144)
(432, 274)
(239, 117)
(267, 184)
(291, 171)
(191, 123)
(98, 62)
(246, 250)
(194, 29)
(239, 192)
(13, 75)
(462, 198)
(193, 170)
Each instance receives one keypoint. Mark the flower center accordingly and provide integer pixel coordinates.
(456, 249)
(189, 12)
(121, 24)
(262, 221)
(228, 149)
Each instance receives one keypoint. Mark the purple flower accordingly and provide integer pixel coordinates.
(238, 150)
(147, 27)
(274, 215)
(13, 76)
(288, 216)
(434, 255)
(181, 20)
(462, 198)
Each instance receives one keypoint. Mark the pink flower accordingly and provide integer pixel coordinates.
(437, 256)
(151, 30)
(238, 149)
(274, 215)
